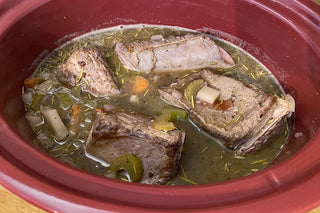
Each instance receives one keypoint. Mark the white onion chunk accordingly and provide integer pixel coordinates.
(208, 94)
(53, 119)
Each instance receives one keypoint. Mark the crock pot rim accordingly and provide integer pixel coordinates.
(10, 168)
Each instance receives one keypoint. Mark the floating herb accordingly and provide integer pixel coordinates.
(85, 80)
(270, 121)
(226, 167)
(183, 171)
(259, 161)
(252, 75)
(187, 180)
(80, 76)
(239, 157)
(192, 101)
(238, 118)
(204, 149)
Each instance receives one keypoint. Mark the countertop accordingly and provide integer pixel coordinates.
(11, 203)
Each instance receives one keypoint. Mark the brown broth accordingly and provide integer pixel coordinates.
(204, 159)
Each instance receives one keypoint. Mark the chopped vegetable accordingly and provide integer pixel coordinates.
(37, 101)
(53, 119)
(64, 100)
(134, 99)
(34, 119)
(175, 113)
(75, 118)
(76, 92)
(27, 97)
(131, 163)
(44, 87)
(163, 125)
(31, 82)
(208, 94)
(140, 85)
(223, 105)
(192, 89)
(168, 114)
(226, 104)
(99, 110)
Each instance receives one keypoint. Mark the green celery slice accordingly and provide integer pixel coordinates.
(131, 163)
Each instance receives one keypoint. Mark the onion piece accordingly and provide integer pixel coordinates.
(208, 94)
(34, 119)
(45, 86)
(157, 38)
(134, 99)
(53, 119)
(27, 97)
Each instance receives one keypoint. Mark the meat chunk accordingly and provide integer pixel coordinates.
(87, 68)
(250, 118)
(173, 53)
(116, 133)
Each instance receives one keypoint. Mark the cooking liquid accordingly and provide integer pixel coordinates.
(204, 159)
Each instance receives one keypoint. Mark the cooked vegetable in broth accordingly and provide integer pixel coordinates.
(62, 113)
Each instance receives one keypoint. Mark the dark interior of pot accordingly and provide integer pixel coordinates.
(284, 38)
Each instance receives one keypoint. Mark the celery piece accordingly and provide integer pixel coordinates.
(131, 163)
(171, 113)
(53, 119)
(168, 114)
(64, 100)
(76, 91)
(178, 114)
(37, 101)
(45, 86)
(163, 125)
(192, 89)
(208, 94)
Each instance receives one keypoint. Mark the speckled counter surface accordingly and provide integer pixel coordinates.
(11, 203)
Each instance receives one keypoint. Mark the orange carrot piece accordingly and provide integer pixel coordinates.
(224, 105)
(31, 82)
(75, 118)
(75, 111)
(140, 85)
(98, 110)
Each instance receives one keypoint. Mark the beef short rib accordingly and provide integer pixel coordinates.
(86, 67)
(173, 53)
(116, 133)
(251, 118)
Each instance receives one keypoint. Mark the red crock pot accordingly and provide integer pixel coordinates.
(284, 35)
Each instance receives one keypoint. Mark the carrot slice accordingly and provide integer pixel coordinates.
(99, 110)
(140, 85)
(75, 111)
(31, 82)
(75, 118)
(224, 105)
